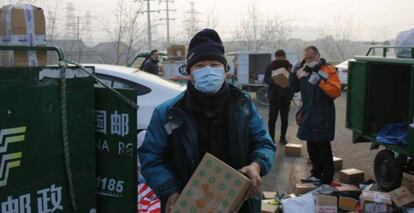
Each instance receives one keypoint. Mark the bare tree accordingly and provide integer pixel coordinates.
(70, 21)
(135, 30)
(127, 31)
(256, 32)
(191, 22)
(83, 32)
(51, 22)
(337, 38)
(212, 19)
(117, 31)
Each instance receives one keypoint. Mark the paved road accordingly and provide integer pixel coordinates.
(289, 170)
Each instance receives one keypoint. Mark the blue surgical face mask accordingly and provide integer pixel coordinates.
(209, 79)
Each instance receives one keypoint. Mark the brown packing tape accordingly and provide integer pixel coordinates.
(40, 27)
(18, 22)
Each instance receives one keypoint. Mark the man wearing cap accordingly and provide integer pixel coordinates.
(279, 93)
(211, 116)
(319, 85)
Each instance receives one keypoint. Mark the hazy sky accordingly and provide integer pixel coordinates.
(368, 19)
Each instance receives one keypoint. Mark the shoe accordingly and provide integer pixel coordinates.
(312, 179)
(283, 141)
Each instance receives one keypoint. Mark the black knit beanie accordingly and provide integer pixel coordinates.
(205, 45)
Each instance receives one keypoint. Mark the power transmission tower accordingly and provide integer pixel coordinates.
(149, 11)
(192, 20)
(168, 18)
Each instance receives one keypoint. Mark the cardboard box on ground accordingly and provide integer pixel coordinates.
(22, 25)
(214, 187)
(338, 163)
(326, 204)
(303, 188)
(352, 176)
(375, 202)
(293, 150)
(347, 203)
(402, 197)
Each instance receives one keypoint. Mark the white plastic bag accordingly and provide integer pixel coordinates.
(302, 204)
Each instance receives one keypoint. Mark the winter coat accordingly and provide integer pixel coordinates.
(169, 155)
(318, 108)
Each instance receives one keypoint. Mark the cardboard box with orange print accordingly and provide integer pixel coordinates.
(214, 187)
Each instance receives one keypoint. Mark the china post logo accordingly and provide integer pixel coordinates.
(9, 160)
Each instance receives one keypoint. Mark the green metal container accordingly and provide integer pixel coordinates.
(116, 156)
(380, 92)
(35, 169)
(65, 146)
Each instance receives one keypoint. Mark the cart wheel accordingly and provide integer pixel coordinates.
(261, 96)
(387, 171)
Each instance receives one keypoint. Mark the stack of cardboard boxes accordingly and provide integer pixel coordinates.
(22, 25)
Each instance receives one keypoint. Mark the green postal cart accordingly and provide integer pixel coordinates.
(381, 92)
(65, 144)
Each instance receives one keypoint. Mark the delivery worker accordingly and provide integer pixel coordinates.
(151, 64)
(319, 85)
(211, 116)
(279, 95)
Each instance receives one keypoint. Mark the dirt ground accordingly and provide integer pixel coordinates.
(287, 171)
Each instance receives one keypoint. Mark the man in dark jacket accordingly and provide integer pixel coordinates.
(319, 85)
(151, 64)
(279, 95)
(211, 116)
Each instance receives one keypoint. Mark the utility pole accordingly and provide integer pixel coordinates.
(78, 39)
(149, 11)
(168, 18)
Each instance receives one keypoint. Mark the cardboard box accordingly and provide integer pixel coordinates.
(303, 188)
(326, 204)
(293, 150)
(268, 207)
(352, 176)
(338, 162)
(269, 195)
(281, 77)
(402, 197)
(347, 204)
(348, 191)
(214, 187)
(22, 25)
(375, 202)
(176, 51)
